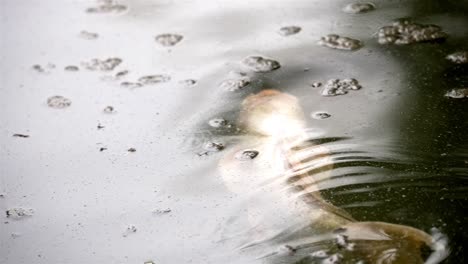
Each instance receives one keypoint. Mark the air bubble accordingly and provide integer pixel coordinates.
(356, 8)
(72, 68)
(109, 110)
(320, 115)
(218, 122)
(260, 64)
(289, 30)
(19, 213)
(154, 79)
(58, 102)
(316, 84)
(88, 35)
(234, 85)
(405, 32)
(457, 93)
(339, 87)
(102, 65)
(338, 42)
(248, 154)
(460, 57)
(168, 40)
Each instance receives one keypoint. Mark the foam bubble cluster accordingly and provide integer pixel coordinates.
(260, 64)
(233, 85)
(356, 8)
(154, 79)
(289, 30)
(58, 102)
(18, 213)
(107, 6)
(460, 57)
(339, 87)
(168, 39)
(218, 122)
(457, 93)
(406, 32)
(338, 42)
(248, 154)
(102, 65)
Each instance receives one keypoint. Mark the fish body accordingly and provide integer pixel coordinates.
(286, 209)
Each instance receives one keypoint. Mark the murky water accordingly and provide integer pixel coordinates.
(233, 131)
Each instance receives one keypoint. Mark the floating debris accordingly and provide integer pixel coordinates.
(109, 109)
(131, 150)
(356, 8)
(405, 32)
(261, 64)
(149, 262)
(289, 30)
(19, 213)
(107, 6)
(88, 35)
(130, 230)
(99, 126)
(131, 85)
(339, 87)
(460, 57)
(218, 122)
(457, 93)
(338, 42)
(161, 212)
(168, 39)
(102, 149)
(248, 154)
(234, 85)
(72, 68)
(58, 102)
(102, 65)
(21, 135)
(154, 79)
(316, 84)
(320, 115)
